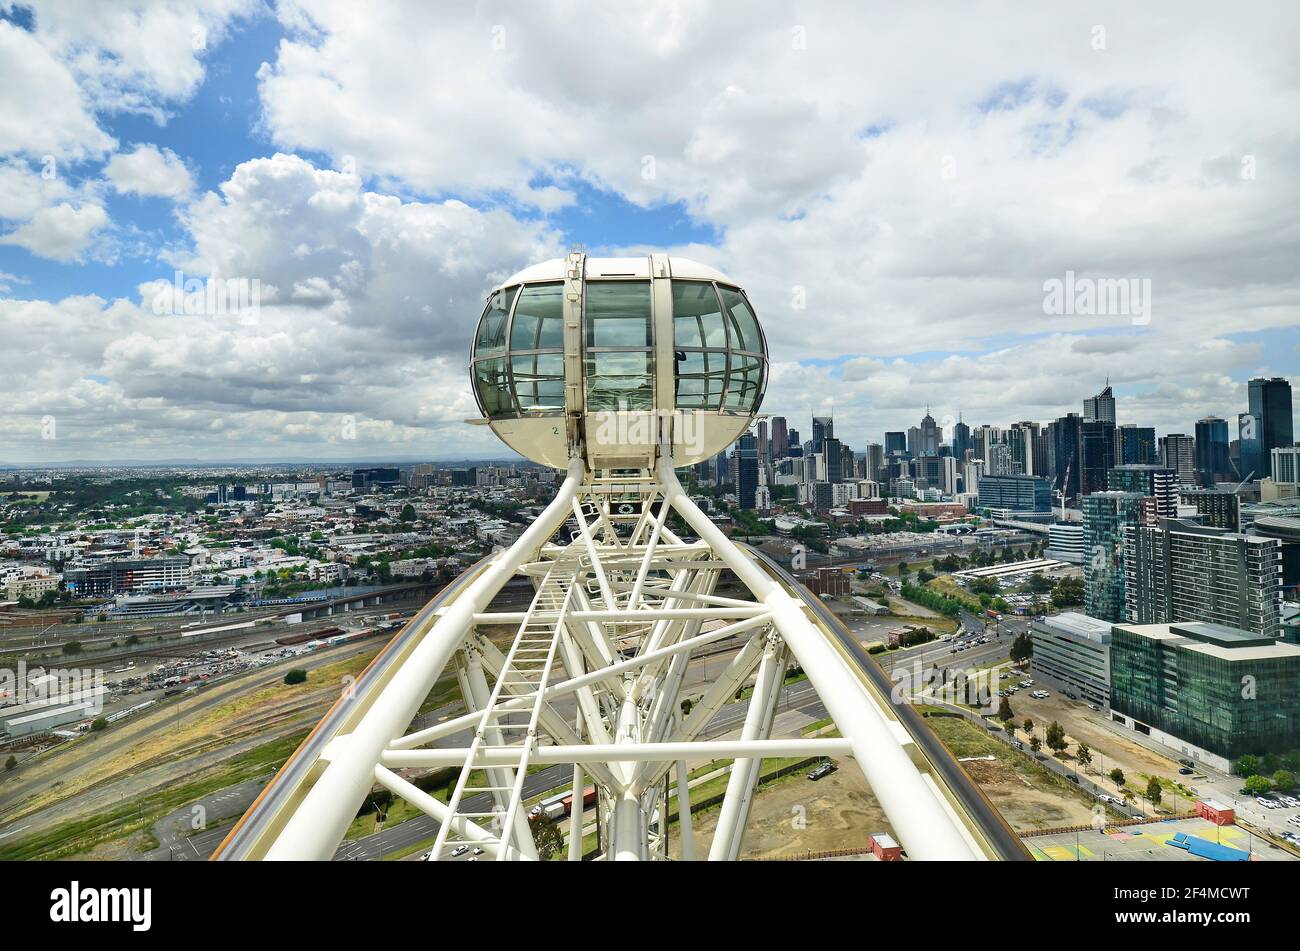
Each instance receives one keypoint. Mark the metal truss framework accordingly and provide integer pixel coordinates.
(593, 677)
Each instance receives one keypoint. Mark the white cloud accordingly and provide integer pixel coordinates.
(136, 55)
(24, 191)
(42, 110)
(816, 143)
(367, 307)
(146, 170)
(61, 232)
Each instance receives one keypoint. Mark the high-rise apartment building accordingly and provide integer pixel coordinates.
(1180, 571)
(1156, 482)
(1105, 517)
(1217, 508)
(744, 470)
(1178, 452)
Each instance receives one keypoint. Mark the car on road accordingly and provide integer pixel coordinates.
(1185, 762)
(459, 851)
(1184, 771)
(1094, 708)
(825, 769)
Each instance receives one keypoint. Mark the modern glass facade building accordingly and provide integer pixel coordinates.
(1209, 691)
(1270, 405)
(1016, 493)
(1211, 450)
(1073, 651)
(1179, 571)
(1135, 445)
(1105, 516)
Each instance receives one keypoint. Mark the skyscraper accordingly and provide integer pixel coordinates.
(1178, 452)
(1270, 405)
(1212, 450)
(1135, 445)
(1105, 516)
(780, 438)
(823, 428)
(744, 470)
(875, 459)
(1065, 439)
(961, 440)
(1100, 408)
(930, 436)
(1249, 448)
(1096, 454)
(895, 443)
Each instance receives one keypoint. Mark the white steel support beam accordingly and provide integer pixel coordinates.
(624, 752)
(744, 772)
(321, 819)
(925, 825)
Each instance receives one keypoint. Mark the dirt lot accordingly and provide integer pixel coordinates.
(1082, 724)
(837, 812)
(1026, 794)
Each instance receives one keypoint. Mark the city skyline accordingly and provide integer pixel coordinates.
(902, 238)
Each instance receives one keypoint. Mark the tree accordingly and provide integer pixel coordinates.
(902, 568)
(1028, 725)
(1248, 765)
(1010, 726)
(1022, 648)
(1257, 785)
(408, 512)
(1084, 755)
(1284, 779)
(72, 647)
(1004, 710)
(99, 723)
(1035, 743)
(1117, 776)
(1154, 791)
(295, 676)
(1055, 735)
(547, 838)
(11, 762)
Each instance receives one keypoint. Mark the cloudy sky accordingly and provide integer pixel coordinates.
(894, 186)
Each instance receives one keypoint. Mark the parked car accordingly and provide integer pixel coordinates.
(825, 769)
(1184, 771)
